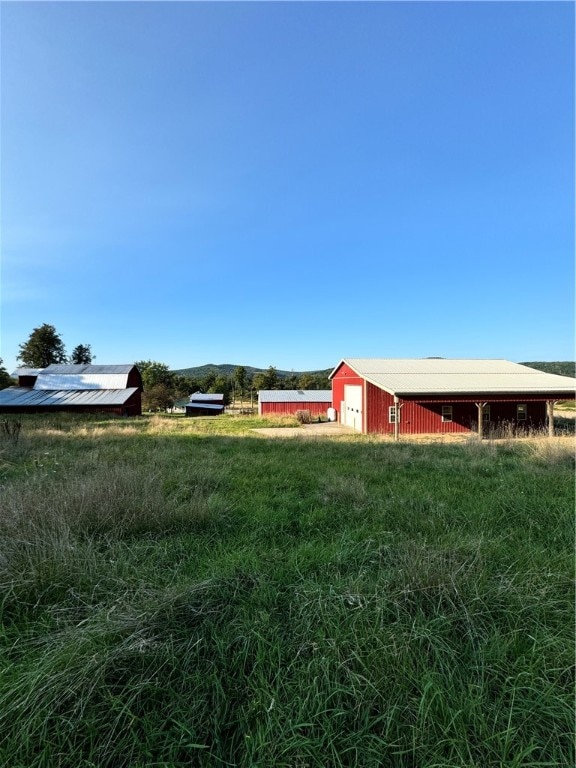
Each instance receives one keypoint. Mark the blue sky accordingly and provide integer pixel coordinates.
(289, 183)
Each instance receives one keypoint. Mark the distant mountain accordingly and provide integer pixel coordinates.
(562, 368)
(226, 369)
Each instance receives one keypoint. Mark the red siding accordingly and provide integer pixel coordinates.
(344, 375)
(316, 409)
(377, 403)
(426, 417)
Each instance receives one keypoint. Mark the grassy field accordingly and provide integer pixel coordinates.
(183, 592)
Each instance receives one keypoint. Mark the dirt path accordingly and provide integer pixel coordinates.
(306, 430)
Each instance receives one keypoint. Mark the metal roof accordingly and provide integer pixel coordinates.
(443, 376)
(81, 381)
(207, 406)
(92, 369)
(198, 397)
(295, 396)
(24, 371)
(26, 396)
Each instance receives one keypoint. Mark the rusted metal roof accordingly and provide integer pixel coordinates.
(461, 376)
(295, 396)
(26, 397)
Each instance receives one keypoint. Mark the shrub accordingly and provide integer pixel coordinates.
(304, 417)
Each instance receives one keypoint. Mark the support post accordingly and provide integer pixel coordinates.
(397, 406)
(550, 415)
(480, 407)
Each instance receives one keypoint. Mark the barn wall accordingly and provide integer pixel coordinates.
(419, 418)
(344, 375)
(316, 409)
(132, 407)
(426, 417)
(134, 378)
(119, 410)
(27, 381)
(377, 403)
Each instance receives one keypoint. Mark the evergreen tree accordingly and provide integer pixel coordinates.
(81, 355)
(5, 379)
(240, 379)
(43, 348)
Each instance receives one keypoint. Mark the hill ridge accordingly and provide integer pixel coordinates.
(561, 367)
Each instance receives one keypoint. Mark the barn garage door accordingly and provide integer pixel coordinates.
(352, 407)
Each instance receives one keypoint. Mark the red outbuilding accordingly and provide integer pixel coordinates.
(436, 395)
(288, 401)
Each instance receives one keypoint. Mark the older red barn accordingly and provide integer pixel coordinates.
(115, 389)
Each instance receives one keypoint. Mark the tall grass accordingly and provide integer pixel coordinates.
(175, 597)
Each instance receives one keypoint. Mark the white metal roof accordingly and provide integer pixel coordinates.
(295, 396)
(199, 397)
(26, 396)
(80, 381)
(24, 371)
(443, 376)
(88, 368)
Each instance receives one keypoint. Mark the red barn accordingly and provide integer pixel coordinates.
(115, 389)
(436, 395)
(288, 401)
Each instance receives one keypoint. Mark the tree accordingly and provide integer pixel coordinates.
(271, 379)
(208, 381)
(158, 397)
(183, 387)
(43, 348)
(81, 355)
(239, 379)
(5, 379)
(154, 373)
(222, 386)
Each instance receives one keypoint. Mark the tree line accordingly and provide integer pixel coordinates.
(162, 387)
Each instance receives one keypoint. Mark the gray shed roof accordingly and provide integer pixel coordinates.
(199, 397)
(427, 376)
(205, 406)
(26, 397)
(295, 396)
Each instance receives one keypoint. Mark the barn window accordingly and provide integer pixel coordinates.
(521, 412)
(486, 413)
(392, 415)
(446, 413)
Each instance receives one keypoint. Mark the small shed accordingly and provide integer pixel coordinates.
(205, 404)
(115, 389)
(203, 409)
(288, 401)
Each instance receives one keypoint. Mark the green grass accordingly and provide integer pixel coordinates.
(183, 592)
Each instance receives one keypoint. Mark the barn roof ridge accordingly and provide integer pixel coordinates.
(419, 376)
